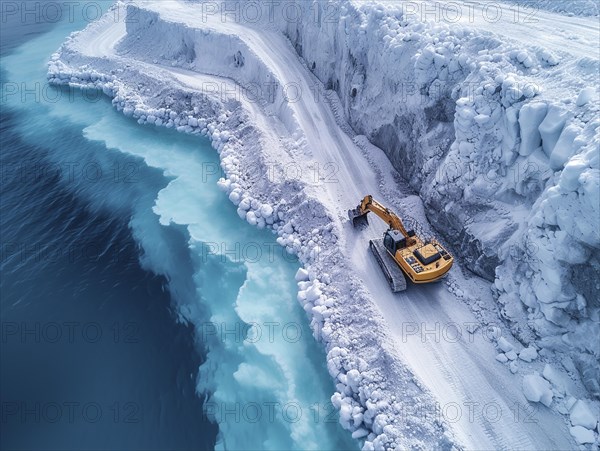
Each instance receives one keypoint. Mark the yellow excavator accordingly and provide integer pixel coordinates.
(402, 251)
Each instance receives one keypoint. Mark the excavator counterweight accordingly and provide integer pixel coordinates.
(402, 252)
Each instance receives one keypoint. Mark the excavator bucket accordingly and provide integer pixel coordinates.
(359, 220)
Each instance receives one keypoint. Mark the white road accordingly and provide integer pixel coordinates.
(479, 397)
(576, 36)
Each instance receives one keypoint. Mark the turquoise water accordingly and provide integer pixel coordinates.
(261, 371)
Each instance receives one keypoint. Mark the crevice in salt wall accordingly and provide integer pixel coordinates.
(400, 132)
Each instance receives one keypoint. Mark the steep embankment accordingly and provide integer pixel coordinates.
(499, 135)
(145, 66)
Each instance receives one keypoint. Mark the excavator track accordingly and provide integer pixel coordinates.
(390, 268)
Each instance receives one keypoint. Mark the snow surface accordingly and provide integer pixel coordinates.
(394, 357)
(569, 7)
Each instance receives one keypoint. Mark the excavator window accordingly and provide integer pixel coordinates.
(394, 240)
(389, 244)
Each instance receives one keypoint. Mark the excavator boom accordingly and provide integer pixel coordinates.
(368, 204)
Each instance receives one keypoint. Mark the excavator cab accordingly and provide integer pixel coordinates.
(393, 241)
